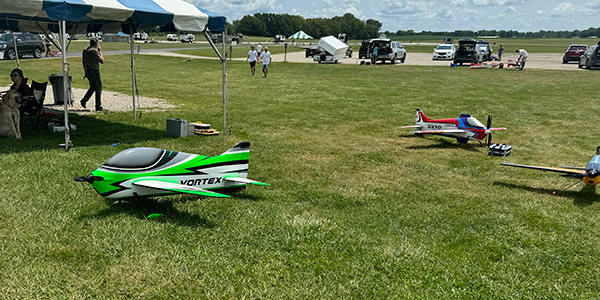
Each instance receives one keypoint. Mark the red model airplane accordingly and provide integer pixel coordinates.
(463, 128)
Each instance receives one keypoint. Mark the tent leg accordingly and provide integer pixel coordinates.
(224, 61)
(16, 50)
(133, 83)
(210, 42)
(63, 31)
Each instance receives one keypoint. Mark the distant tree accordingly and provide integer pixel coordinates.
(250, 25)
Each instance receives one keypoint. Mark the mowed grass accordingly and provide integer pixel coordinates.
(357, 209)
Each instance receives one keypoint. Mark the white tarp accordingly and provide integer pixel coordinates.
(333, 46)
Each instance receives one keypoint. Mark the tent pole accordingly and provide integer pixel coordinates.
(224, 61)
(132, 68)
(16, 50)
(63, 31)
(210, 42)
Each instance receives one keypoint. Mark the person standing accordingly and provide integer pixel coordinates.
(266, 61)
(522, 58)
(92, 58)
(374, 55)
(500, 50)
(48, 44)
(259, 48)
(252, 55)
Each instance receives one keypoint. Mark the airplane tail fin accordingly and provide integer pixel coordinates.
(238, 157)
(420, 117)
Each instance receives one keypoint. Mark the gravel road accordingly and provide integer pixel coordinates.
(548, 61)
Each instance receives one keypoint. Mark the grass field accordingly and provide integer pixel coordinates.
(357, 209)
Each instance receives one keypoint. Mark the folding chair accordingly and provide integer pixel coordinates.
(35, 104)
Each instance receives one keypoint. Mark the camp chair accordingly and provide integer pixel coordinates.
(35, 104)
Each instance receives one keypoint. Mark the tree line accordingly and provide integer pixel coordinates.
(590, 32)
(270, 24)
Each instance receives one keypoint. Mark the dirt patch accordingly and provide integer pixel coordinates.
(112, 101)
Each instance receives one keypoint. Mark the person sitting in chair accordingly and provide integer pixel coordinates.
(20, 85)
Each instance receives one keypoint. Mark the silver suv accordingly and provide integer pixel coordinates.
(388, 50)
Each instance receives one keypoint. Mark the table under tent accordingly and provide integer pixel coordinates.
(110, 16)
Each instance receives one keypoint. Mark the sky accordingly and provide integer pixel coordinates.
(431, 15)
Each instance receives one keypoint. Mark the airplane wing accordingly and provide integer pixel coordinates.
(244, 180)
(410, 126)
(499, 128)
(576, 172)
(440, 131)
(175, 187)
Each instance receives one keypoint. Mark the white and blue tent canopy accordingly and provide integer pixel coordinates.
(300, 35)
(106, 15)
(109, 16)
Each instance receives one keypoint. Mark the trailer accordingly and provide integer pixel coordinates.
(332, 49)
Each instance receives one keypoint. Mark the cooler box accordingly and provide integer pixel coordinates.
(179, 128)
(499, 150)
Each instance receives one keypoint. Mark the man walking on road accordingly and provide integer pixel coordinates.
(252, 55)
(92, 58)
(266, 60)
(259, 48)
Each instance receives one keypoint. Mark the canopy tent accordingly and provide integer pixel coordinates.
(81, 16)
(300, 35)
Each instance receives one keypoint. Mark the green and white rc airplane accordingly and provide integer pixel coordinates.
(154, 172)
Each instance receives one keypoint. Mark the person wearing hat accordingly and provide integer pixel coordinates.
(252, 55)
(92, 58)
(266, 60)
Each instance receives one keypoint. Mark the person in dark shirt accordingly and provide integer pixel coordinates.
(20, 84)
(92, 58)
(26, 101)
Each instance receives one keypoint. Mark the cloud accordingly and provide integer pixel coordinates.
(235, 9)
(337, 8)
(593, 5)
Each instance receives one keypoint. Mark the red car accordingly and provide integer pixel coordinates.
(573, 53)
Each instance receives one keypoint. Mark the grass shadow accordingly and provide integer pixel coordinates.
(169, 214)
(584, 197)
(91, 131)
(445, 144)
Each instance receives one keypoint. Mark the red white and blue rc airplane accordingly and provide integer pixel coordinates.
(463, 128)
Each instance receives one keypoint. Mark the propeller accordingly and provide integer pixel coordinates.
(488, 131)
(89, 178)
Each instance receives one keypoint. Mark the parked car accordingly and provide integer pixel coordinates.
(27, 44)
(388, 50)
(365, 46)
(171, 37)
(574, 52)
(187, 38)
(467, 52)
(485, 50)
(312, 50)
(444, 51)
(590, 58)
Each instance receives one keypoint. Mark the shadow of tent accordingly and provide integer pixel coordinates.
(584, 197)
(91, 131)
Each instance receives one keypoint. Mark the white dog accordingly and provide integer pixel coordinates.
(10, 117)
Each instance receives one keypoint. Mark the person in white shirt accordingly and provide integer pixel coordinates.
(522, 57)
(252, 55)
(266, 60)
(259, 48)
